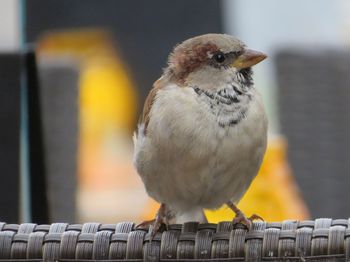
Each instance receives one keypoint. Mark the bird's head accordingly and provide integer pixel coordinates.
(212, 60)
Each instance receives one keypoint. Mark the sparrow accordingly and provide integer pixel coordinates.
(202, 135)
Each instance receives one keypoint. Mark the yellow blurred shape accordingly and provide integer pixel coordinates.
(108, 100)
(83, 43)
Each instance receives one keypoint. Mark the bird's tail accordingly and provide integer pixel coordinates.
(179, 217)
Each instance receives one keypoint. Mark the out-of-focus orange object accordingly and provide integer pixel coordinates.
(107, 95)
(273, 194)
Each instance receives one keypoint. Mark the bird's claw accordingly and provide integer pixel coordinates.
(155, 224)
(145, 224)
(154, 228)
(246, 221)
(255, 217)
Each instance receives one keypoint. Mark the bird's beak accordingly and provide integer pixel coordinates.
(248, 58)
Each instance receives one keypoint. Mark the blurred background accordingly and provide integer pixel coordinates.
(74, 75)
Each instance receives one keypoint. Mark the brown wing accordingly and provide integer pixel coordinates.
(145, 117)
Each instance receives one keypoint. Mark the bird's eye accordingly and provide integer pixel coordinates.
(219, 57)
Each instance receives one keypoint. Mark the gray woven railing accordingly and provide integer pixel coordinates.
(319, 240)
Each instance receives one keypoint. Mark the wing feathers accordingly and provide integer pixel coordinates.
(145, 117)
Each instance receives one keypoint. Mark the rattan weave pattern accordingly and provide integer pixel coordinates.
(319, 240)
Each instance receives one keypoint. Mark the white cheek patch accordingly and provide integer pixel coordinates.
(211, 78)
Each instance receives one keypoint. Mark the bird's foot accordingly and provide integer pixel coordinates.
(240, 218)
(155, 224)
(146, 223)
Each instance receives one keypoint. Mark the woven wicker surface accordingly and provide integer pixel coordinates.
(319, 240)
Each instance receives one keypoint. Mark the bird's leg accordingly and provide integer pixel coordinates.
(161, 218)
(241, 218)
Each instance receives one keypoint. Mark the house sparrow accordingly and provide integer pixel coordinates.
(203, 131)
